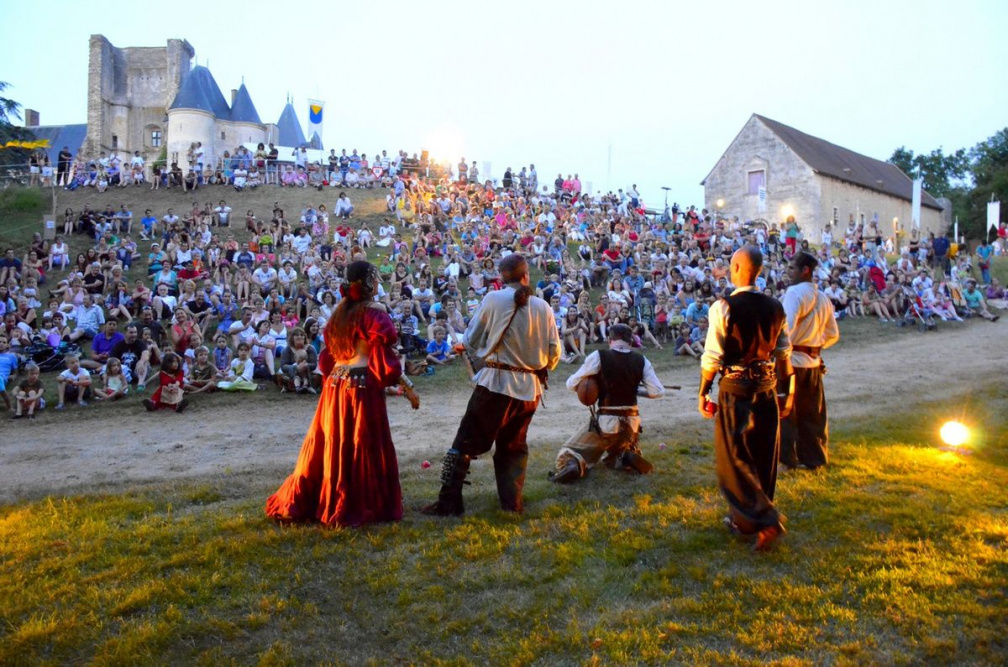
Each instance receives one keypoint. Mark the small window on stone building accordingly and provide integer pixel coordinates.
(756, 180)
(222, 135)
(836, 215)
(155, 138)
(115, 141)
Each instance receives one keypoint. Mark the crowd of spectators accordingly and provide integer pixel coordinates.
(230, 297)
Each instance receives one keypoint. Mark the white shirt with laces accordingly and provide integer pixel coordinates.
(651, 386)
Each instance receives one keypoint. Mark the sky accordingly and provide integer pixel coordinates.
(650, 93)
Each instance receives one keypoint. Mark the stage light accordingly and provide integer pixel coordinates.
(954, 434)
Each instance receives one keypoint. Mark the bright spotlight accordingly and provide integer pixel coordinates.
(954, 434)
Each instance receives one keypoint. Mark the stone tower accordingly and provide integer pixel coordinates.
(129, 91)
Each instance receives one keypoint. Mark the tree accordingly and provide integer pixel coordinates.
(989, 163)
(941, 173)
(9, 132)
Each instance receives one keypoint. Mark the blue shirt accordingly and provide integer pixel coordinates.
(696, 310)
(8, 364)
(439, 350)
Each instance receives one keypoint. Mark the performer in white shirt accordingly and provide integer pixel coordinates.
(515, 332)
(812, 328)
(623, 374)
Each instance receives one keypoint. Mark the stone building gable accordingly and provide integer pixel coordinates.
(788, 180)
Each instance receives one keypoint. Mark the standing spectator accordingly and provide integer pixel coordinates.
(63, 162)
(941, 247)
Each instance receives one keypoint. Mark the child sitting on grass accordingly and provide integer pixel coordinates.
(169, 395)
(439, 352)
(239, 377)
(74, 383)
(29, 394)
(201, 373)
(116, 384)
(222, 355)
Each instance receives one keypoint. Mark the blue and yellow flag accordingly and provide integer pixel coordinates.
(315, 113)
(315, 117)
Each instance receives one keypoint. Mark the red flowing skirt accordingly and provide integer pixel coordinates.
(347, 473)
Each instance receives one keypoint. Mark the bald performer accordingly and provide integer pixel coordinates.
(747, 343)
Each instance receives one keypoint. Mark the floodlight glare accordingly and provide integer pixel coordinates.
(954, 434)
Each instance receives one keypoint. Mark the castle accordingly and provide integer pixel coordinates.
(152, 99)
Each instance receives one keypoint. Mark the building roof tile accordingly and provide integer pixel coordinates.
(199, 90)
(289, 132)
(242, 109)
(845, 165)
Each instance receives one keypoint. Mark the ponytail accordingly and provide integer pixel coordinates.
(521, 295)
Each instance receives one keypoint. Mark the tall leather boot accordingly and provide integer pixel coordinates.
(454, 469)
(510, 473)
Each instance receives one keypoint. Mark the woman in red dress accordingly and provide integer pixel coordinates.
(347, 473)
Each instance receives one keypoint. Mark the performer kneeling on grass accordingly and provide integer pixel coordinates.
(748, 331)
(622, 375)
(347, 473)
(517, 336)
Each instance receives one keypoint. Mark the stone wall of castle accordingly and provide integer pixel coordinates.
(129, 91)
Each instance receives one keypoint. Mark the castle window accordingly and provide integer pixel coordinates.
(115, 141)
(756, 180)
(836, 215)
(222, 135)
(155, 138)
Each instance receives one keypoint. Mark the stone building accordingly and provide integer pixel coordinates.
(812, 179)
(129, 91)
(152, 99)
(199, 113)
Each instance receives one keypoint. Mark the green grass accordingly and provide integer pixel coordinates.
(897, 554)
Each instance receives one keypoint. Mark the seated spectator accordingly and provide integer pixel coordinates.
(298, 363)
(239, 377)
(170, 393)
(89, 320)
(976, 303)
(74, 383)
(439, 352)
(28, 396)
(115, 385)
(344, 208)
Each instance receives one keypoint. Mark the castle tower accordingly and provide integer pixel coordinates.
(129, 91)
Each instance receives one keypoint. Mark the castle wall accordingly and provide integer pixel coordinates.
(186, 126)
(129, 91)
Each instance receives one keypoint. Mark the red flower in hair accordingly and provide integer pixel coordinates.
(355, 292)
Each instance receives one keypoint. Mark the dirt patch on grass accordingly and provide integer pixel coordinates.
(106, 447)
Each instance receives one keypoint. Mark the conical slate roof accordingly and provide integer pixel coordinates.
(198, 90)
(289, 132)
(316, 142)
(242, 109)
